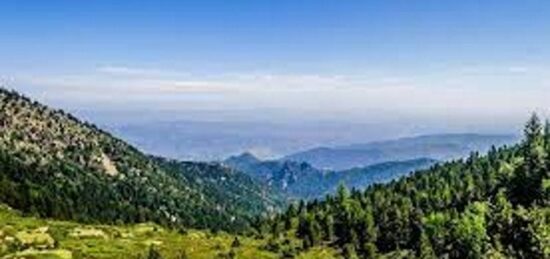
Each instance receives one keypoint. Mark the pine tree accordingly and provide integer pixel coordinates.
(292, 211)
(416, 228)
(369, 250)
(367, 230)
(301, 208)
(524, 239)
(425, 251)
(309, 230)
(349, 252)
(236, 243)
(288, 222)
(342, 193)
(502, 220)
(328, 227)
(527, 182)
(546, 175)
(470, 232)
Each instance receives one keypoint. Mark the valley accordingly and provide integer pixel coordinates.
(274, 129)
(71, 190)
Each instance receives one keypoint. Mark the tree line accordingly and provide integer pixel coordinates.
(492, 206)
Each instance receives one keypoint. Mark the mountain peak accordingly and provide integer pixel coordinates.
(246, 156)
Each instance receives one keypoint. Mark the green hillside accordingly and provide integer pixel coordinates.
(493, 206)
(53, 165)
(28, 237)
(105, 199)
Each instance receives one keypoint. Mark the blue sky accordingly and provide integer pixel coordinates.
(469, 61)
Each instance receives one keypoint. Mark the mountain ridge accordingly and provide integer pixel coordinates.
(54, 165)
(436, 146)
(301, 180)
(484, 206)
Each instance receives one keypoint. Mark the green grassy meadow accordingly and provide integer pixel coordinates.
(29, 237)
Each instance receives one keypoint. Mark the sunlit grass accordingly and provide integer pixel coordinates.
(74, 240)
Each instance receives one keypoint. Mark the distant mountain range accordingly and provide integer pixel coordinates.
(203, 140)
(316, 172)
(53, 165)
(438, 147)
(301, 180)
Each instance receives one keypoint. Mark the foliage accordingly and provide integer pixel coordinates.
(53, 165)
(146, 240)
(493, 206)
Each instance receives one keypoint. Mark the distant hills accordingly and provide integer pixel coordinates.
(53, 165)
(301, 180)
(202, 138)
(438, 147)
(484, 206)
(317, 172)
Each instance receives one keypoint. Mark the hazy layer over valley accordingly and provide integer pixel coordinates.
(205, 136)
(274, 129)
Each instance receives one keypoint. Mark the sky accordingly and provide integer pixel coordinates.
(452, 64)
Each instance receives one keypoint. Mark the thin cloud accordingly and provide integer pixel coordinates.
(494, 70)
(138, 72)
(515, 89)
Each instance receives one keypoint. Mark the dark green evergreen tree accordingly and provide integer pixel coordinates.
(236, 243)
(527, 183)
(425, 250)
(349, 252)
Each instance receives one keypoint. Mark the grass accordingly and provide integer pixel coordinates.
(29, 237)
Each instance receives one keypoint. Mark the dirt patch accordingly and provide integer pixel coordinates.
(38, 238)
(88, 233)
(108, 165)
(33, 253)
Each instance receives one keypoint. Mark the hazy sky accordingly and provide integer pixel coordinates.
(451, 61)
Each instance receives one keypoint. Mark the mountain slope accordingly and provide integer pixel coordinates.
(493, 206)
(301, 180)
(298, 180)
(53, 165)
(438, 147)
(362, 177)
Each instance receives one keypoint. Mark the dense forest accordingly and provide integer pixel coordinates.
(484, 206)
(53, 165)
(493, 206)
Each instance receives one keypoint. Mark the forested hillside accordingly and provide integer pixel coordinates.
(361, 177)
(53, 165)
(300, 180)
(493, 206)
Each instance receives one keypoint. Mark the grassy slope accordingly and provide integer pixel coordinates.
(132, 241)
